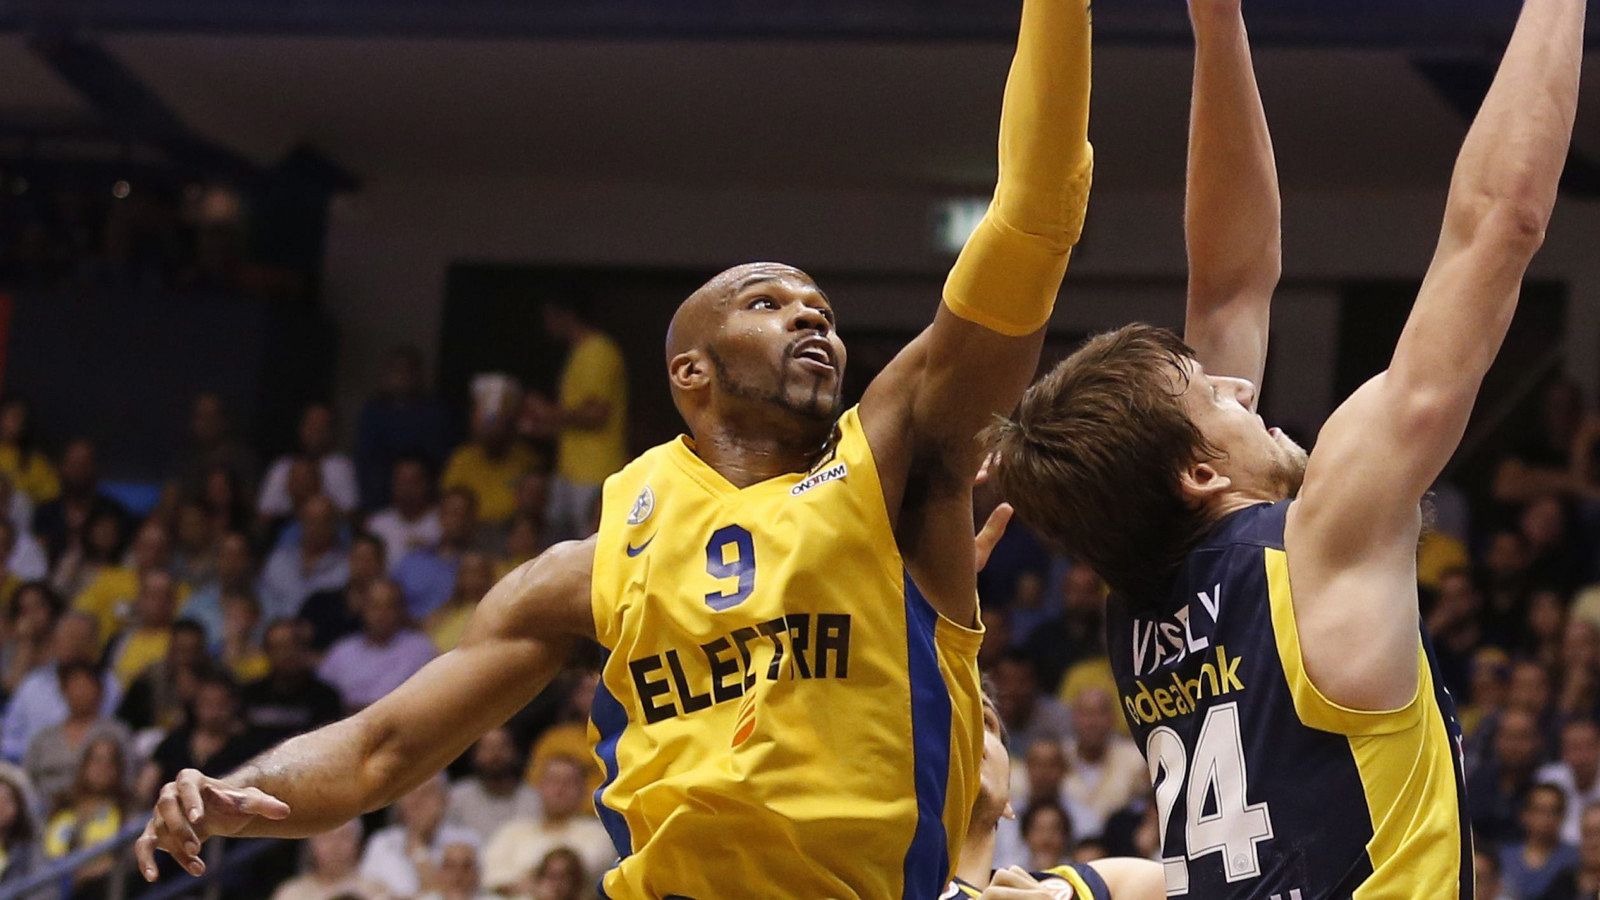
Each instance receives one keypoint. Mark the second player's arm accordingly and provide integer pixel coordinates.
(1353, 534)
(517, 641)
(1233, 213)
(924, 412)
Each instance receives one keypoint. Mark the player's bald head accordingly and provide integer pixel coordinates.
(699, 317)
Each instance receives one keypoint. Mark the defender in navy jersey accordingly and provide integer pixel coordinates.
(1264, 628)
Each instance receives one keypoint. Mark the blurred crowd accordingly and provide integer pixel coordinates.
(257, 599)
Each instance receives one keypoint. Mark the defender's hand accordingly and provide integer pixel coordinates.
(993, 530)
(196, 807)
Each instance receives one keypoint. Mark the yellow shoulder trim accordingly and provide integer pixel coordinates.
(1310, 704)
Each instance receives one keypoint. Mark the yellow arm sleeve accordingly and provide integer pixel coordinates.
(1011, 268)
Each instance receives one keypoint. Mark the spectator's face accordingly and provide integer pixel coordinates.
(77, 466)
(1508, 554)
(1516, 742)
(1530, 688)
(336, 853)
(1489, 685)
(457, 519)
(151, 548)
(1047, 836)
(214, 707)
(1541, 816)
(458, 870)
(285, 652)
(1456, 592)
(316, 430)
(83, 693)
(522, 543)
(233, 559)
(561, 788)
(187, 649)
(1082, 590)
(1580, 646)
(1091, 718)
(240, 615)
(105, 533)
(194, 527)
(304, 482)
(383, 611)
(423, 809)
(1016, 691)
(219, 493)
(1547, 616)
(560, 877)
(533, 494)
(1543, 523)
(157, 604)
(1580, 748)
(102, 767)
(33, 614)
(13, 422)
(410, 485)
(1588, 839)
(319, 523)
(208, 422)
(582, 699)
(366, 562)
(474, 577)
(1030, 590)
(1047, 765)
(495, 756)
(76, 639)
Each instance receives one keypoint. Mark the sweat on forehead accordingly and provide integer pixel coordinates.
(700, 314)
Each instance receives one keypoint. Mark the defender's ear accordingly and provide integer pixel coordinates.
(1201, 481)
(689, 371)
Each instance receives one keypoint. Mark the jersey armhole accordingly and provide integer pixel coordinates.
(1310, 704)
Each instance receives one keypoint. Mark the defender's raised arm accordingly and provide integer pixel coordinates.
(1357, 520)
(1233, 212)
(925, 410)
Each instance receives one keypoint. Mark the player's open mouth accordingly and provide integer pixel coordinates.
(814, 353)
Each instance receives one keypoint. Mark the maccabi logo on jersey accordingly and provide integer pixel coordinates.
(745, 725)
(644, 506)
(832, 473)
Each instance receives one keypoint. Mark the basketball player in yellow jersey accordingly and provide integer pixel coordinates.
(780, 714)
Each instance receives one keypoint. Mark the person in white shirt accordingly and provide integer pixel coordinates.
(1105, 771)
(458, 876)
(337, 471)
(567, 821)
(333, 858)
(405, 858)
(412, 521)
(494, 793)
(1577, 775)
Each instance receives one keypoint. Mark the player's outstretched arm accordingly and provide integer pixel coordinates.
(926, 408)
(1233, 213)
(518, 639)
(1353, 533)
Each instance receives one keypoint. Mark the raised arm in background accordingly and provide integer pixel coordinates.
(517, 641)
(1233, 213)
(924, 412)
(1352, 536)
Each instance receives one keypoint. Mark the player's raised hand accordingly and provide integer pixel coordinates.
(1014, 884)
(991, 533)
(196, 807)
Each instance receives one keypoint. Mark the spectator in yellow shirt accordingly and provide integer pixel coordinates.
(110, 596)
(588, 420)
(475, 575)
(21, 460)
(146, 642)
(494, 461)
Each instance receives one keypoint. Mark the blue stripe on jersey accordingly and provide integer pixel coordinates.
(1467, 888)
(610, 719)
(927, 862)
(1098, 889)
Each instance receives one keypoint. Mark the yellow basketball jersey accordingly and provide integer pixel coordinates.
(779, 715)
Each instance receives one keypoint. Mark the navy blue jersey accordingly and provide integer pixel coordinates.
(1265, 788)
